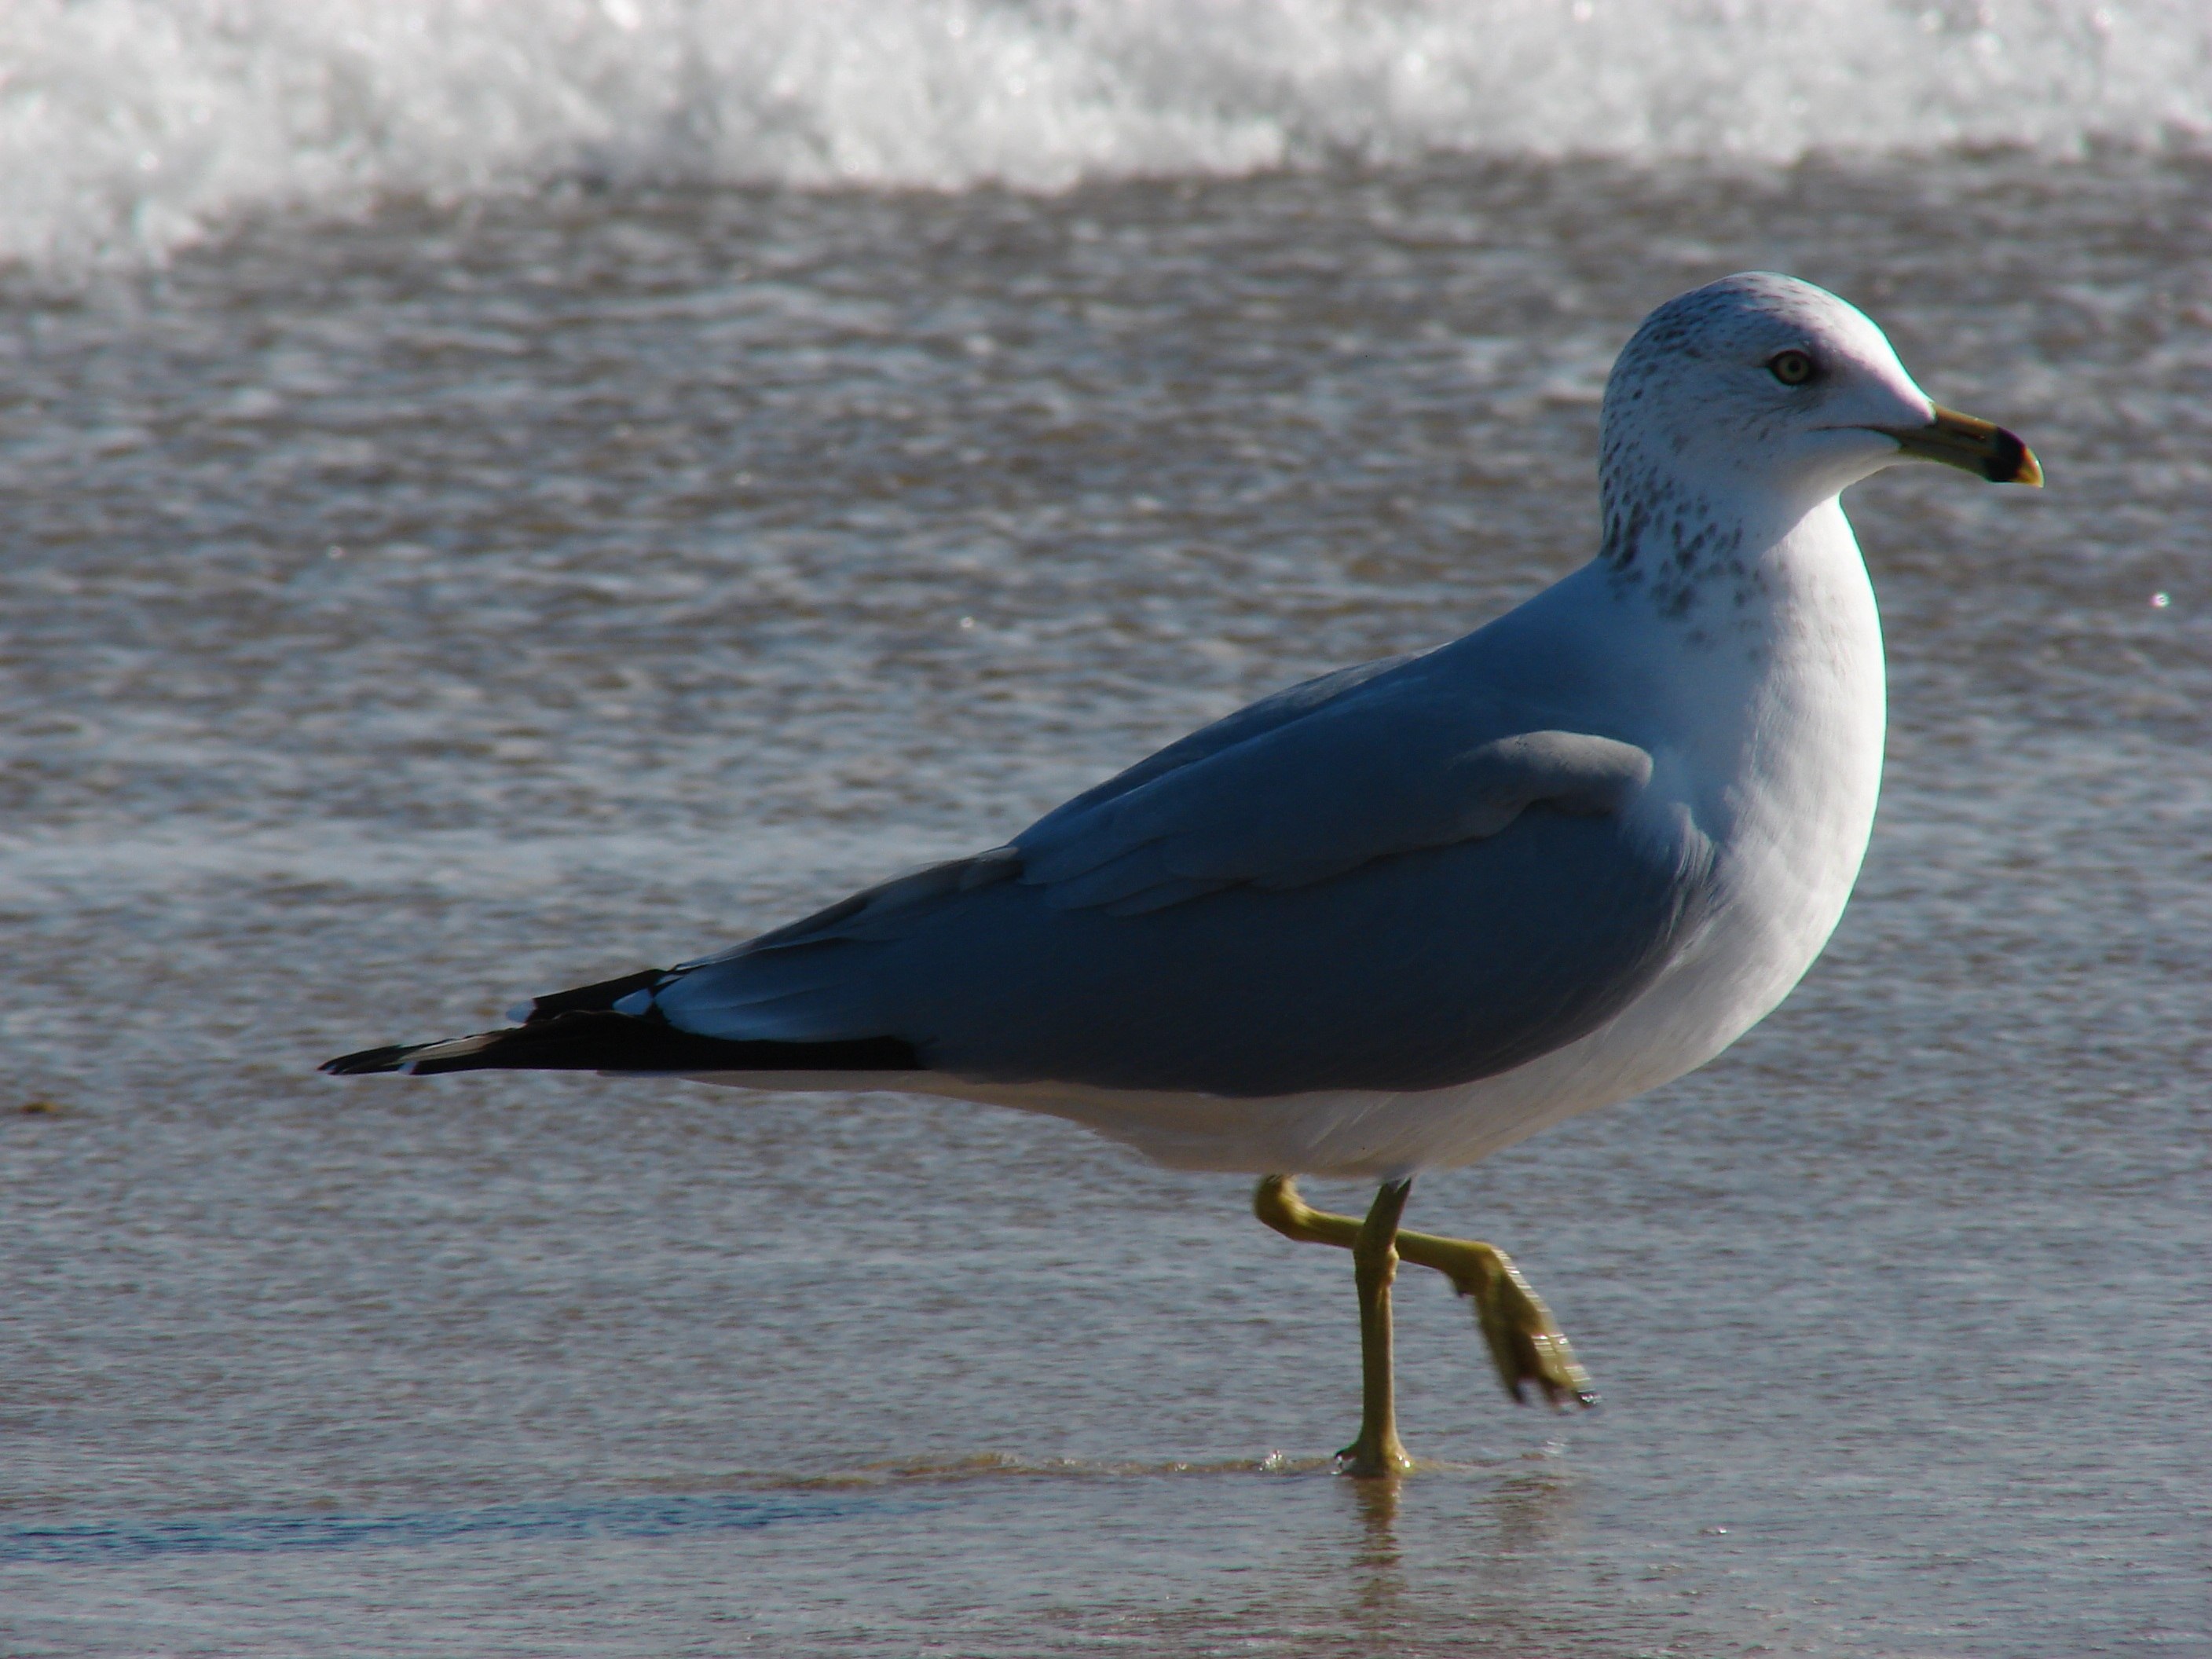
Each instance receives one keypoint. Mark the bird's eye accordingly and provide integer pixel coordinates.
(1790, 367)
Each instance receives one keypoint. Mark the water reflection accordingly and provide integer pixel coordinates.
(1454, 1547)
(1378, 1561)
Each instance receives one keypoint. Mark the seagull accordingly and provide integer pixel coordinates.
(1393, 919)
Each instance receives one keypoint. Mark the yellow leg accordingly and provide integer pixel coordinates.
(1375, 1265)
(1525, 1343)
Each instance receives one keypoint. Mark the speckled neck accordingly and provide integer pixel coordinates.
(1673, 541)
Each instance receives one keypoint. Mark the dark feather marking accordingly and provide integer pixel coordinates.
(594, 998)
(595, 1039)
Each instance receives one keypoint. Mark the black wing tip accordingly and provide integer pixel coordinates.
(420, 1058)
(392, 1057)
(600, 1040)
(598, 997)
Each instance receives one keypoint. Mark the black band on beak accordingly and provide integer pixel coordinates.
(1976, 446)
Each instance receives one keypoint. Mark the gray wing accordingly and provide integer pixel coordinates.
(1255, 719)
(1381, 880)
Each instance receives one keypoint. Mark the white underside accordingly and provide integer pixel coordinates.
(1766, 726)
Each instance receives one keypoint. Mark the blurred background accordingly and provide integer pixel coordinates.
(494, 496)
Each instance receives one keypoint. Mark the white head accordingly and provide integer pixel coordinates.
(1762, 389)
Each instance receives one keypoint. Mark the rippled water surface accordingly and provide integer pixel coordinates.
(406, 614)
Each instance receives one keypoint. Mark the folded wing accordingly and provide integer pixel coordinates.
(1379, 881)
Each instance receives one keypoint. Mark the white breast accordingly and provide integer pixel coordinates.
(1774, 745)
(1789, 795)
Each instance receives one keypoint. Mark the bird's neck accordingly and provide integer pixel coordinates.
(1760, 622)
(1720, 558)
(1688, 541)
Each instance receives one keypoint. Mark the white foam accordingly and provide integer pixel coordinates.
(130, 127)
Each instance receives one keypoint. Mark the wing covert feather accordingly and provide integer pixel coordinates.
(1392, 771)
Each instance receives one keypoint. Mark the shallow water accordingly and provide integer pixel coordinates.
(409, 613)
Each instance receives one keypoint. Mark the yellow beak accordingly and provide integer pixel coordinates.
(1979, 446)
